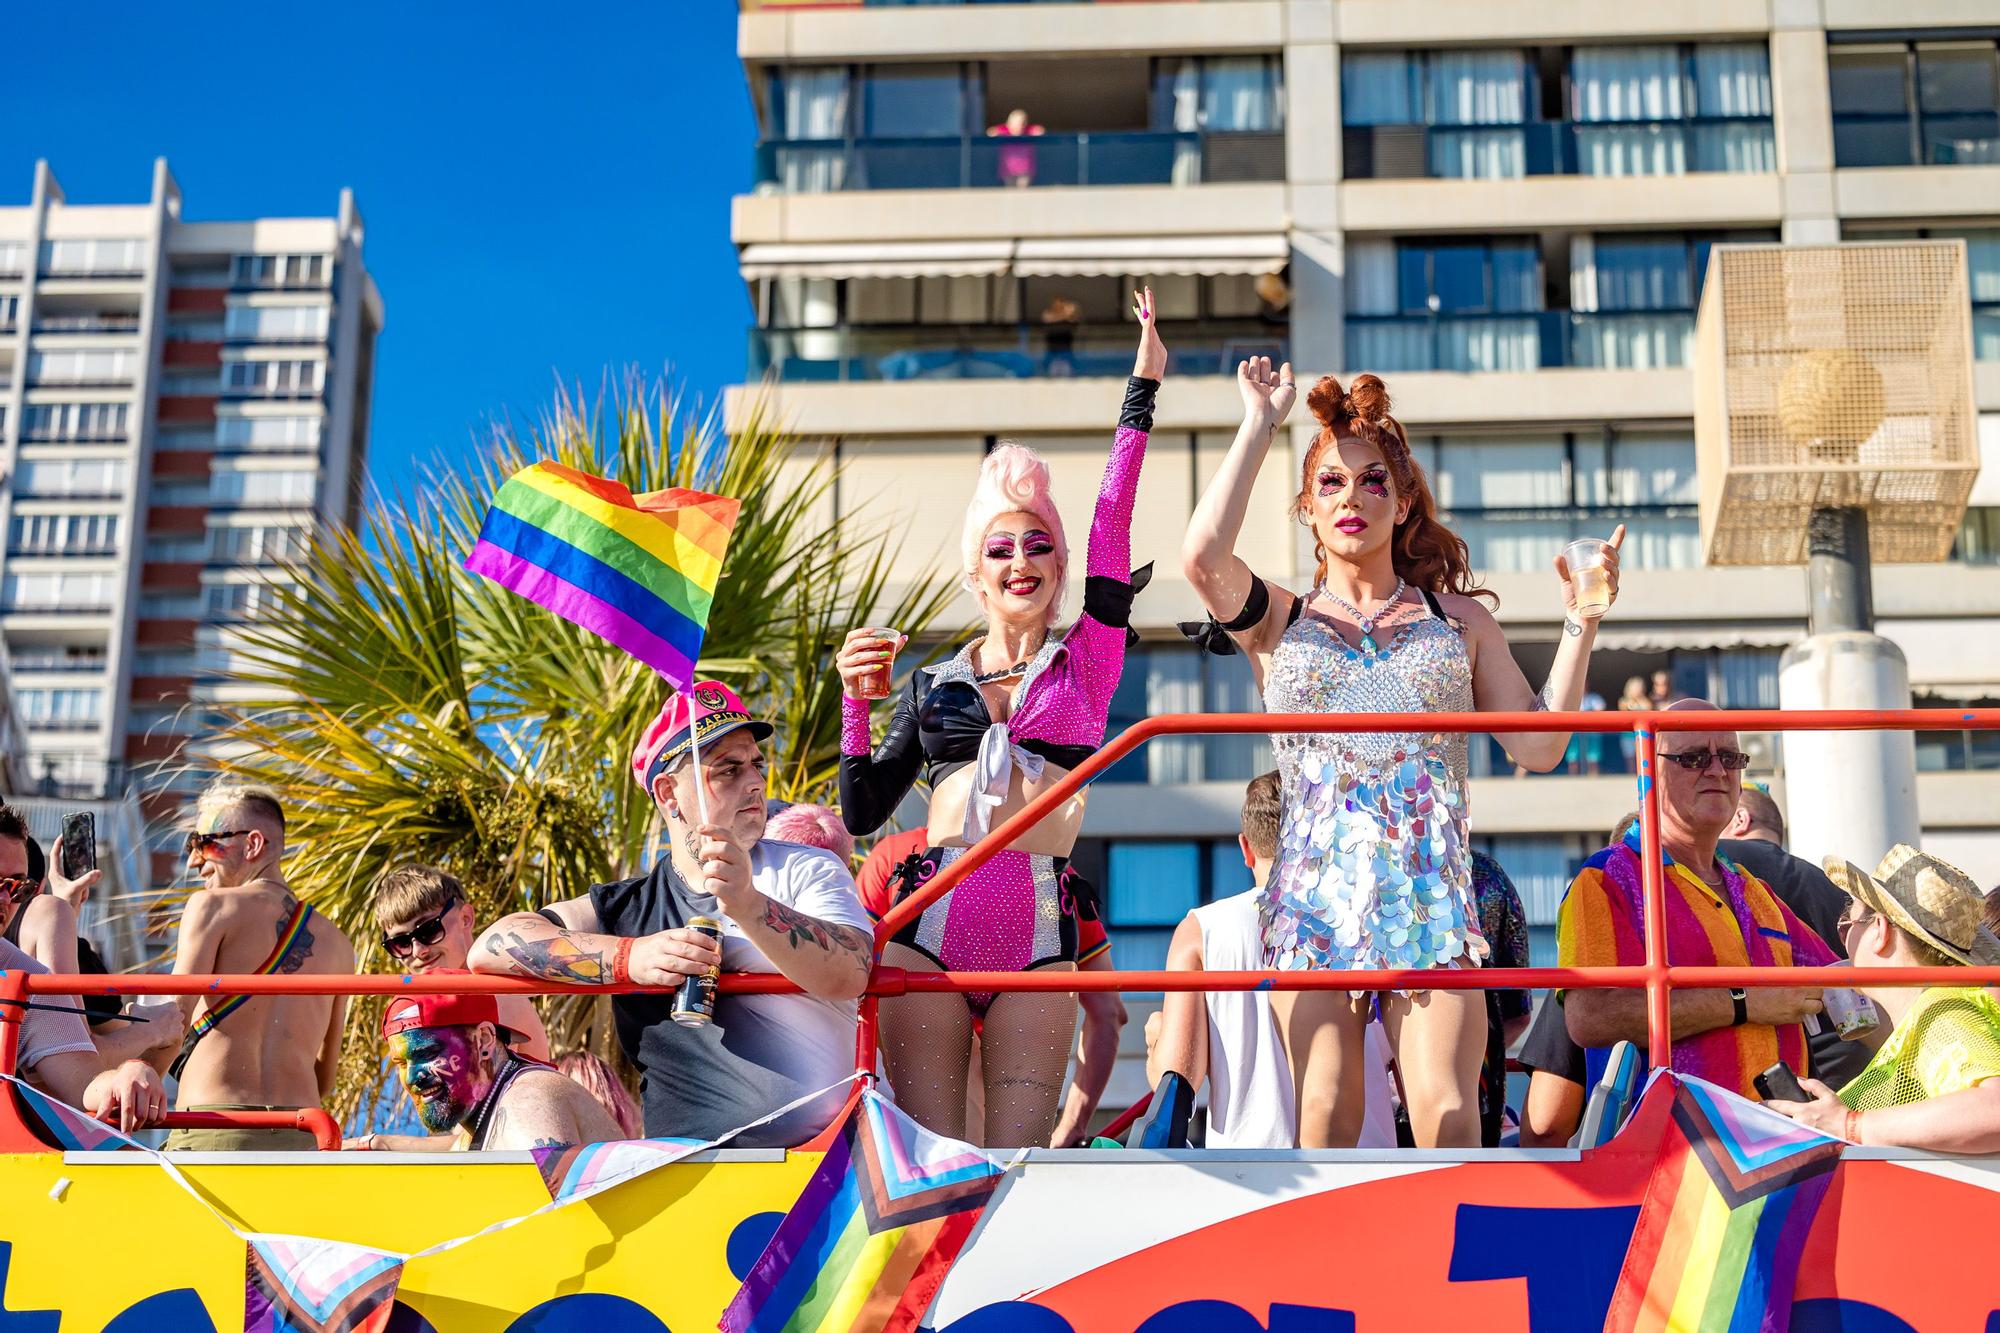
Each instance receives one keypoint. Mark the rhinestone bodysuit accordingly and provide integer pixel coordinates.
(1373, 870)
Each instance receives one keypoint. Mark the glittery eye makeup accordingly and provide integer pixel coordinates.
(1329, 483)
(1000, 548)
(1375, 481)
(1038, 543)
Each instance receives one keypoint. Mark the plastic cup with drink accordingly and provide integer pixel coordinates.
(874, 682)
(1849, 1013)
(1586, 559)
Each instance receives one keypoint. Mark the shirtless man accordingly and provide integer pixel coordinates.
(268, 1052)
(462, 1076)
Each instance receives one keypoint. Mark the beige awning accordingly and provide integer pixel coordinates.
(1667, 637)
(876, 259)
(1144, 256)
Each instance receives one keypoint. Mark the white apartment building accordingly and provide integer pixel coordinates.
(1503, 209)
(180, 404)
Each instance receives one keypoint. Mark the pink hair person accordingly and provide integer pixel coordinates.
(815, 826)
(1014, 479)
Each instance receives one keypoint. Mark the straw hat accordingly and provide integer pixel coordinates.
(1928, 898)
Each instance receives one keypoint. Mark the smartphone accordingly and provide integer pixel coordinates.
(79, 844)
(1779, 1083)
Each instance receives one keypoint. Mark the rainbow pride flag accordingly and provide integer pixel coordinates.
(637, 571)
(1725, 1216)
(872, 1236)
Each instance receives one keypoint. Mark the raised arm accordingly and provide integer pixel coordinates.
(1499, 686)
(1208, 554)
(529, 944)
(873, 779)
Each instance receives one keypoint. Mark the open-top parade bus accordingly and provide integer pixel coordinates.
(1694, 1209)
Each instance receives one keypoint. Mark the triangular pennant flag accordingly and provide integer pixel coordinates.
(76, 1131)
(297, 1284)
(911, 1174)
(577, 1171)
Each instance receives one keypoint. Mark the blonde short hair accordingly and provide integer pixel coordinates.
(259, 801)
(408, 892)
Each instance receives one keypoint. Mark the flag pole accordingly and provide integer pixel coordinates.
(694, 744)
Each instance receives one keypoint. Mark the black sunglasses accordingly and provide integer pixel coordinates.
(426, 933)
(201, 842)
(17, 888)
(1694, 761)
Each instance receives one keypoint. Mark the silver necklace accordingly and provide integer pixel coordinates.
(1369, 648)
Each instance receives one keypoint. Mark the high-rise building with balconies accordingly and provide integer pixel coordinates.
(1503, 209)
(180, 404)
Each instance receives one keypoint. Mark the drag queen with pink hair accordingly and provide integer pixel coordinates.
(991, 728)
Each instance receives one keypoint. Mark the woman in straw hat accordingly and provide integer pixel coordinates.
(1935, 1083)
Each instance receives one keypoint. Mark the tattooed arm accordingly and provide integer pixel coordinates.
(827, 958)
(528, 944)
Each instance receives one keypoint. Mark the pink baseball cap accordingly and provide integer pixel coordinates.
(708, 707)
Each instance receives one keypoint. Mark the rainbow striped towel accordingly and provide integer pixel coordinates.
(873, 1235)
(637, 571)
(1724, 1221)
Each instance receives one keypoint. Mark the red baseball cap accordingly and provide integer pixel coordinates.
(406, 1013)
(708, 707)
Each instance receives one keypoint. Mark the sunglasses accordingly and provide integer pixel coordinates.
(1696, 761)
(17, 888)
(201, 842)
(1849, 920)
(426, 933)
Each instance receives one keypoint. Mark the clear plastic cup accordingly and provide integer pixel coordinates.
(1849, 1013)
(874, 683)
(1587, 575)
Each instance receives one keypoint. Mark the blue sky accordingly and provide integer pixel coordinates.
(546, 192)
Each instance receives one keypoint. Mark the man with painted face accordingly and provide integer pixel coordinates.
(782, 907)
(253, 1052)
(462, 1076)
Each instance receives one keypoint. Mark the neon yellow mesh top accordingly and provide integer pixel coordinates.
(1948, 1042)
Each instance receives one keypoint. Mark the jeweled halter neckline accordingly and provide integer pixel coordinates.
(1368, 650)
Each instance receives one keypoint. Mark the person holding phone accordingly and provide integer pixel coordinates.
(1004, 719)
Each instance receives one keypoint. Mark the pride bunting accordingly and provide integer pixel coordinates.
(637, 571)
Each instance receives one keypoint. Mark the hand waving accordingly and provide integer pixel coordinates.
(1151, 362)
(1268, 394)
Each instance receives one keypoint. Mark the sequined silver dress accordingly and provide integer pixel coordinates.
(1373, 870)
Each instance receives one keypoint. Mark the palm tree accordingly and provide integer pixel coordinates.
(430, 715)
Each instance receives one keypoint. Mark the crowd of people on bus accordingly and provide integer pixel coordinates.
(1359, 846)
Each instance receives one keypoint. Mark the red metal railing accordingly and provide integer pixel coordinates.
(1655, 976)
(307, 1119)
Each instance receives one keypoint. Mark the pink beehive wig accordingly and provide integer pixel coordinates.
(1014, 479)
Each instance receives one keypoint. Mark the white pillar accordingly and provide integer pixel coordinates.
(1848, 793)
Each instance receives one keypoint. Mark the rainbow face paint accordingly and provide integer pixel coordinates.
(441, 1069)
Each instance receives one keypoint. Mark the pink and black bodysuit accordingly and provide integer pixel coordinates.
(1019, 910)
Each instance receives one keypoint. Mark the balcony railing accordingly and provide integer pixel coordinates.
(1560, 148)
(55, 608)
(979, 162)
(1898, 139)
(1536, 340)
(52, 663)
(990, 352)
(86, 324)
(59, 552)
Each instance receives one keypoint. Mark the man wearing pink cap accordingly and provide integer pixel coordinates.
(783, 908)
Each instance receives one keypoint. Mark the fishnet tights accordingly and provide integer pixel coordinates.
(1024, 1055)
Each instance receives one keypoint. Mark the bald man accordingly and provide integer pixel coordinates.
(1717, 914)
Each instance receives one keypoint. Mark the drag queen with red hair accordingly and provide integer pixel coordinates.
(1005, 719)
(1373, 867)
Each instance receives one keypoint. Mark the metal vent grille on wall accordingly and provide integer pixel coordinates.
(1834, 376)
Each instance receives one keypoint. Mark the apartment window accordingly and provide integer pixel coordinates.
(172, 494)
(1979, 536)
(229, 601)
(165, 662)
(1923, 103)
(1982, 263)
(275, 433)
(1517, 499)
(276, 323)
(182, 439)
(281, 271)
(1220, 94)
(93, 258)
(263, 488)
(58, 592)
(1173, 678)
(61, 709)
(1443, 305)
(913, 101)
(71, 477)
(190, 384)
(257, 545)
(1151, 885)
(65, 659)
(274, 379)
(1635, 296)
(176, 550)
(13, 258)
(1594, 110)
(116, 366)
(10, 311)
(63, 534)
(50, 422)
(165, 720)
(176, 606)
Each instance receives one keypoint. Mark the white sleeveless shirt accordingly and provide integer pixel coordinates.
(1251, 1102)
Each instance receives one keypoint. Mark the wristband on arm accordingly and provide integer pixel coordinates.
(621, 963)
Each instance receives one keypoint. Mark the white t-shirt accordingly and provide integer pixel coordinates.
(807, 1039)
(43, 1032)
